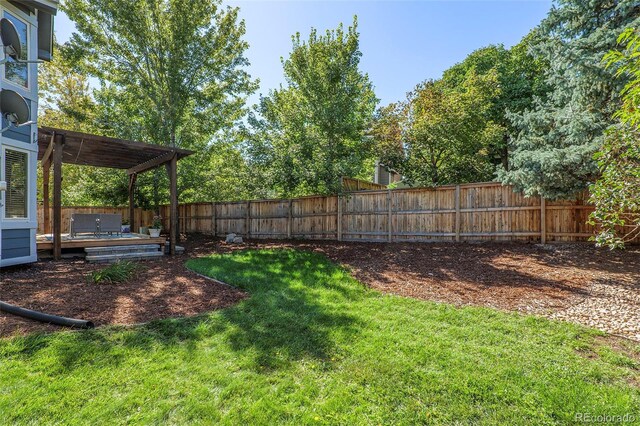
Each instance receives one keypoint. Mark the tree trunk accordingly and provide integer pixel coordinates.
(504, 155)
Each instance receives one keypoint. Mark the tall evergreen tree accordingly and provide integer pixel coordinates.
(553, 153)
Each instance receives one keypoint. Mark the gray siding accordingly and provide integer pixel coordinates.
(15, 243)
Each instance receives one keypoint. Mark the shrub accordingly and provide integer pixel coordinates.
(118, 272)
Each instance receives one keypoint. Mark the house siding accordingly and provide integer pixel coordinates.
(15, 243)
(17, 236)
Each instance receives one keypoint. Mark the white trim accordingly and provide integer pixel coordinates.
(31, 185)
(18, 260)
(31, 91)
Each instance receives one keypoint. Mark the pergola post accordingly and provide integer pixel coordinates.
(46, 179)
(57, 146)
(58, 141)
(173, 196)
(46, 167)
(132, 187)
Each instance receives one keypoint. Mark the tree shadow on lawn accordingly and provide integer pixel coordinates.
(298, 305)
(295, 310)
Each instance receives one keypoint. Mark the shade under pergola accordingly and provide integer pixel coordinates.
(58, 146)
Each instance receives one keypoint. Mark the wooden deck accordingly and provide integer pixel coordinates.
(43, 243)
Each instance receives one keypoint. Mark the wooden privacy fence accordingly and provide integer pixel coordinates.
(351, 184)
(470, 212)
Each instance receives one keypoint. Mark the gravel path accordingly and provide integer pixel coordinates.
(610, 306)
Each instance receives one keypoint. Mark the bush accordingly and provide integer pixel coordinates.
(118, 272)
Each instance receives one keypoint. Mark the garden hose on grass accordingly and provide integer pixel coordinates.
(42, 317)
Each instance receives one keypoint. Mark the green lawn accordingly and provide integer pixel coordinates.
(314, 346)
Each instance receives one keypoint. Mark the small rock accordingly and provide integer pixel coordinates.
(237, 240)
(230, 238)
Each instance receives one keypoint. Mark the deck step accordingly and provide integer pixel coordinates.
(123, 249)
(179, 249)
(115, 253)
(110, 258)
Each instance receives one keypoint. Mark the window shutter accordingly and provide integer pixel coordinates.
(16, 169)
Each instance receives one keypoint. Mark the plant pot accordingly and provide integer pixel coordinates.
(144, 230)
(154, 232)
(125, 229)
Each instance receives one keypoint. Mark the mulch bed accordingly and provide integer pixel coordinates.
(529, 278)
(161, 289)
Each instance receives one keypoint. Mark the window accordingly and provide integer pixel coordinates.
(14, 71)
(15, 169)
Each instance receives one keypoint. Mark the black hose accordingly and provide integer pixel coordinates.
(42, 317)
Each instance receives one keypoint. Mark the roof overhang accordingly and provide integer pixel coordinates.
(48, 6)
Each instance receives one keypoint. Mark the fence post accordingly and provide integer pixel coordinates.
(213, 218)
(389, 215)
(339, 218)
(457, 230)
(543, 220)
(289, 218)
(247, 225)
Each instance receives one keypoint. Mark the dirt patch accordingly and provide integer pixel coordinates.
(528, 278)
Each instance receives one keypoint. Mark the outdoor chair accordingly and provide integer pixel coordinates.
(82, 223)
(110, 223)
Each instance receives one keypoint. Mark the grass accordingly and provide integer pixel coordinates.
(117, 272)
(311, 345)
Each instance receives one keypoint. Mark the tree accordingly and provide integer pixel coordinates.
(520, 78)
(66, 102)
(65, 96)
(616, 194)
(304, 137)
(553, 152)
(172, 71)
(440, 134)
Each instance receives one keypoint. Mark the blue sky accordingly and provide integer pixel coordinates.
(402, 42)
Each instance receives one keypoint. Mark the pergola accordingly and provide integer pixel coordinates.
(58, 146)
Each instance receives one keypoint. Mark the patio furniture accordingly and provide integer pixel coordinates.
(110, 223)
(82, 223)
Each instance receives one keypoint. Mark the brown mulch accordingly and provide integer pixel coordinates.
(520, 277)
(161, 289)
(528, 278)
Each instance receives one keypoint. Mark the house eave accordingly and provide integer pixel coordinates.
(49, 6)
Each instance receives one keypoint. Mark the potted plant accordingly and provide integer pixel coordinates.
(125, 228)
(156, 227)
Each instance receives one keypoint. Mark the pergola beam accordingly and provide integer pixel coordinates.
(47, 154)
(57, 146)
(152, 164)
